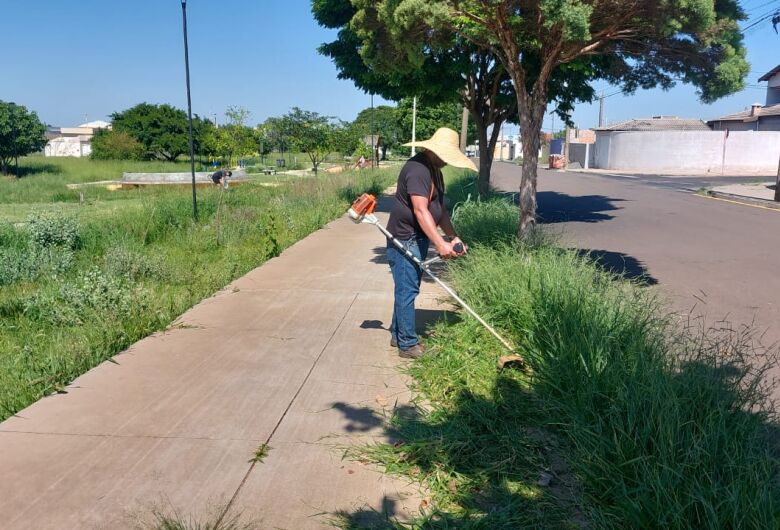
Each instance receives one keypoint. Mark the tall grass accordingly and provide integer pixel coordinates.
(68, 303)
(624, 420)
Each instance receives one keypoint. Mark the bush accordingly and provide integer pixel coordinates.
(73, 302)
(123, 262)
(489, 221)
(30, 263)
(115, 145)
(47, 230)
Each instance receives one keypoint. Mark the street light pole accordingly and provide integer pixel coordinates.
(12, 109)
(414, 123)
(189, 108)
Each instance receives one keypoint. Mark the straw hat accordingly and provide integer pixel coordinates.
(445, 143)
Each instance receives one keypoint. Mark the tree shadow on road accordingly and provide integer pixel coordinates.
(619, 264)
(555, 207)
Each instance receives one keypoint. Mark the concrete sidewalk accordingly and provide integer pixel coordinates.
(763, 192)
(293, 355)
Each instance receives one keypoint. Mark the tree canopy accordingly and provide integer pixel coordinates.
(384, 121)
(21, 133)
(310, 133)
(161, 129)
(633, 44)
(393, 48)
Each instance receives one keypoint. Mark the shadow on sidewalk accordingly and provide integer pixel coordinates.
(461, 447)
(425, 318)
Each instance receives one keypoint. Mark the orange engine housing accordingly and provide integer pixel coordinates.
(364, 205)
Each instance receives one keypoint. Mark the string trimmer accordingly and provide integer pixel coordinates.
(362, 211)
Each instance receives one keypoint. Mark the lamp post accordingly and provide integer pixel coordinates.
(12, 110)
(189, 108)
(374, 157)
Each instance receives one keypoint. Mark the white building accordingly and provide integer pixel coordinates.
(73, 141)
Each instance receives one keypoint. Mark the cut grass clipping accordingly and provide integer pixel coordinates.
(78, 285)
(623, 421)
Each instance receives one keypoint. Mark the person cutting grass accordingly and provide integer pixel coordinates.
(417, 214)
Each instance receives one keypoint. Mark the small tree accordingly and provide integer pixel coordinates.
(347, 138)
(240, 138)
(264, 143)
(115, 145)
(21, 133)
(310, 133)
(385, 122)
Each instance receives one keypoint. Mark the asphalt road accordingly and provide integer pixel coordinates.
(716, 260)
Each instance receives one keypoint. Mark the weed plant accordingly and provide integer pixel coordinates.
(623, 419)
(79, 285)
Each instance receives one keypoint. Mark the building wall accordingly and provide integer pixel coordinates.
(701, 151)
(582, 154)
(764, 123)
(734, 125)
(67, 147)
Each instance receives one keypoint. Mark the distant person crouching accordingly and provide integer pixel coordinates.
(220, 177)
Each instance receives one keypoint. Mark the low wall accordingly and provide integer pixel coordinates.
(703, 151)
(172, 178)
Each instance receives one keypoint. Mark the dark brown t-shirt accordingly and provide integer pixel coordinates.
(417, 177)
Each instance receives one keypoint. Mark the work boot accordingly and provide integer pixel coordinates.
(415, 352)
(393, 341)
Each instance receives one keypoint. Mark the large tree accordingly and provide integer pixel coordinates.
(161, 129)
(393, 48)
(632, 43)
(435, 68)
(21, 133)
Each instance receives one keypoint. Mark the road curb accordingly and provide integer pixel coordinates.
(742, 199)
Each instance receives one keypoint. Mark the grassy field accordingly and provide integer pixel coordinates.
(623, 420)
(80, 281)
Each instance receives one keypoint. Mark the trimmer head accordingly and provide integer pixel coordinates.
(362, 207)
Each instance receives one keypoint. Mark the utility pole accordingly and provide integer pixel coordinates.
(501, 148)
(464, 130)
(601, 109)
(189, 108)
(566, 148)
(414, 123)
(374, 160)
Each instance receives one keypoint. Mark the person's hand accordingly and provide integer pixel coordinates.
(446, 250)
(456, 241)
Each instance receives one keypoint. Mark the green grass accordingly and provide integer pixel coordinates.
(638, 423)
(136, 261)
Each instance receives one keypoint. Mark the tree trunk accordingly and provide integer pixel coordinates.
(487, 148)
(485, 160)
(4, 166)
(531, 122)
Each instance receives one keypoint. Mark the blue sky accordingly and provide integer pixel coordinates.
(71, 59)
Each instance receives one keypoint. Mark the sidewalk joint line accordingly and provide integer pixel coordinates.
(229, 505)
(131, 436)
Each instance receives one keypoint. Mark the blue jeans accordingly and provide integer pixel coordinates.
(407, 277)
